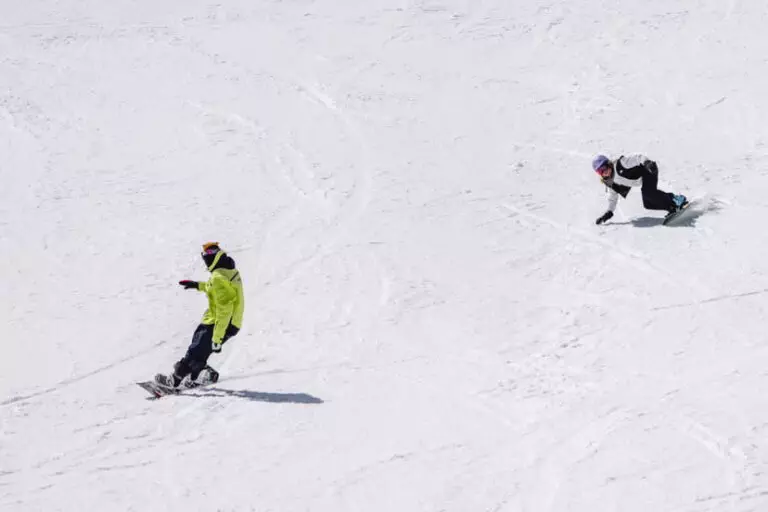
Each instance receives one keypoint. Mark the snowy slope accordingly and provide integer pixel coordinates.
(434, 322)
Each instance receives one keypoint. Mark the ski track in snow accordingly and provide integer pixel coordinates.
(355, 203)
(732, 456)
(63, 384)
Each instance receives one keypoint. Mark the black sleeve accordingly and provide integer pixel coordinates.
(621, 189)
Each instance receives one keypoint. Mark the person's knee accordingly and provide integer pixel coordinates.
(202, 332)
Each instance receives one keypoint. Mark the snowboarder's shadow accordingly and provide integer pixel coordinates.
(688, 221)
(258, 396)
(642, 222)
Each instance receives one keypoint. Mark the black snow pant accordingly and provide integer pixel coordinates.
(196, 358)
(653, 198)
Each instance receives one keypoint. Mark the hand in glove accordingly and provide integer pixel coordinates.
(189, 285)
(216, 346)
(607, 215)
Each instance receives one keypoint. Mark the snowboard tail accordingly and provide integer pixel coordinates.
(157, 390)
(672, 217)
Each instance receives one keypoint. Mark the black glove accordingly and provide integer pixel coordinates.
(189, 285)
(607, 215)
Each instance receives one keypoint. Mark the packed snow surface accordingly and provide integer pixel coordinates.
(433, 320)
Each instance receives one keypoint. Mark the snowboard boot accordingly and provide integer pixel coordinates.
(169, 381)
(212, 376)
(189, 383)
(680, 202)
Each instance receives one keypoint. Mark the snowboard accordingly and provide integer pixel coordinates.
(672, 217)
(157, 390)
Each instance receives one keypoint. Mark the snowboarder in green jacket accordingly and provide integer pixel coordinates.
(221, 320)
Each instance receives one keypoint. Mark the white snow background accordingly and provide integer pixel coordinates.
(433, 320)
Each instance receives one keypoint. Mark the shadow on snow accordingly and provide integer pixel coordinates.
(257, 396)
(699, 206)
(641, 222)
(688, 220)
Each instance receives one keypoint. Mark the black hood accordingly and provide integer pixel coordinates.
(225, 262)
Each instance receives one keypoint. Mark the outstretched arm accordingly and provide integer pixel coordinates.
(192, 285)
(613, 198)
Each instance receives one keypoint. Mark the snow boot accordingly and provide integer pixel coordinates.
(680, 202)
(212, 376)
(171, 381)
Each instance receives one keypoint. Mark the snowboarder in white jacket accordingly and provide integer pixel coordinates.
(634, 170)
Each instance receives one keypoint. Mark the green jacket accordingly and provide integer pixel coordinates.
(225, 301)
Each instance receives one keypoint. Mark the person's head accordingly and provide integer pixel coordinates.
(603, 166)
(211, 254)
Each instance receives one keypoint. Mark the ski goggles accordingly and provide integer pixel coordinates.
(603, 169)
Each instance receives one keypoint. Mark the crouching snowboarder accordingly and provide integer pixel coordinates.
(636, 170)
(221, 320)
